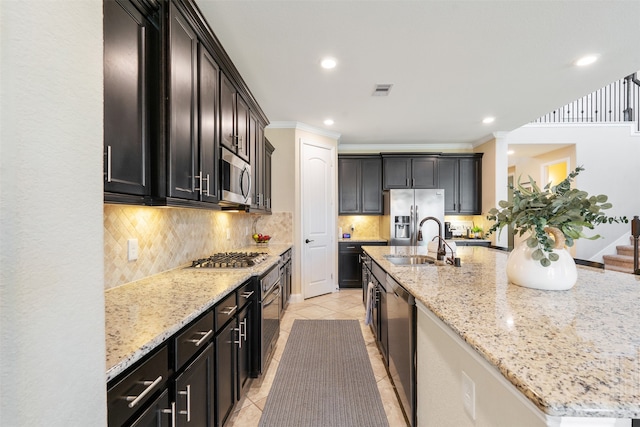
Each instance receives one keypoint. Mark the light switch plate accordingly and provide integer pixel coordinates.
(469, 395)
(132, 249)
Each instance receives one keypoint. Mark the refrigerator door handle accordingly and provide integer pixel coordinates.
(415, 228)
(411, 227)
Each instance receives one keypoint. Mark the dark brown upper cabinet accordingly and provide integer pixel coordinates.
(235, 120)
(131, 88)
(193, 114)
(404, 171)
(359, 185)
(461, 178)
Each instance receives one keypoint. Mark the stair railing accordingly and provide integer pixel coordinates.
(615, 103)
(635, 232)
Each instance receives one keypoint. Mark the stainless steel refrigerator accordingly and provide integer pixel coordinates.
(403, 212)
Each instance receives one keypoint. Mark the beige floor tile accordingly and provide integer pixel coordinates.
(248, 416)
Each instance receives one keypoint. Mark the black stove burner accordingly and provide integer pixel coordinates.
(230, 260)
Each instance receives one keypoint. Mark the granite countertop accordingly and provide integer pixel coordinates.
(573, 353)
(142, 314)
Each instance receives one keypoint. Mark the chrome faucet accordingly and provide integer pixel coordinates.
(441, 250)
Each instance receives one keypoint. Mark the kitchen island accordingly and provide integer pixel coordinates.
(530, 357)
(143, 314)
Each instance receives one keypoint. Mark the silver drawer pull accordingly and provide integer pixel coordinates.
(230, 310)
(134, 400)
(205, 336)
(247, 294)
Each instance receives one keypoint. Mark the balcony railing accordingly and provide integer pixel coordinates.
(615, 103)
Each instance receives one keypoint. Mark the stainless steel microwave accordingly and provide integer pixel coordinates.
(235, 179)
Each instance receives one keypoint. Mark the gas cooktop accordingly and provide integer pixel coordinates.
(230, 260)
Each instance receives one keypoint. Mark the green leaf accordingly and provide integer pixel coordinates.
(532, 242)
(554, 256)
(537, 254)
(545, 262)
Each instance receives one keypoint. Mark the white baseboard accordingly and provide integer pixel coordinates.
(294, 298)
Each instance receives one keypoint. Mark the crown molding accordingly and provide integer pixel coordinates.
(306, 128)
(413, 148)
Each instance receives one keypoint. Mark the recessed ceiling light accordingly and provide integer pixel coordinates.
(328, 122)
(488, 120)
(586, 60)
(328, 63)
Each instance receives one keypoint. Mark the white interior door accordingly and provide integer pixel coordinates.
(318, 218)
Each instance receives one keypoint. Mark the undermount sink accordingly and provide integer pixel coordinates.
(411, 260)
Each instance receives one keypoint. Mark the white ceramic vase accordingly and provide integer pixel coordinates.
(523, 270)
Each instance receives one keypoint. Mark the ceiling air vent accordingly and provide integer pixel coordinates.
(382, 90)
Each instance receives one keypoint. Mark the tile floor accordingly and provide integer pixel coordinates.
(345, 304)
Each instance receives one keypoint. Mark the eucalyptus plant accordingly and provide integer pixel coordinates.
(558, 210)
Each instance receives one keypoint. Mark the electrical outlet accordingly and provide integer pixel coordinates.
(228, 234)
(469, 395)
(132, 249)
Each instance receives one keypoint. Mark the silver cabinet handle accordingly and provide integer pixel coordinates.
(247, 294)
(239, 331)
(205, 337)
(171, 411)
(108, 163)
(187, 392)
(243, 329)
(230, 310)
(134, 400)
(198, 188)
(208, 184)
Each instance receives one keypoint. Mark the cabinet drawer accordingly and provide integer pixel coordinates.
(246, 293)
(194, 338)
(345, 247)
(135, 389)
(225, 310)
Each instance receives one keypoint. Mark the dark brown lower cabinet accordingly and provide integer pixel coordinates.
(244, 344)
(194, 391)
(157, 415)
(225, 372)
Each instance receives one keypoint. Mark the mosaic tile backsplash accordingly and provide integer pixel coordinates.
(170, 237)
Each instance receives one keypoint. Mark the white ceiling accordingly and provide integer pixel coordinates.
(451, 62)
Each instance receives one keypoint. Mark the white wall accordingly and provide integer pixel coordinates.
(52, 347)
(610, 154)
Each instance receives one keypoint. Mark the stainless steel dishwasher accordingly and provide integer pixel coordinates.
(401, 318)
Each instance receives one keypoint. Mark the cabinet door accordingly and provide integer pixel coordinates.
(349, 267)
(256, 154)
(396, 172)
(225, 372)
(424, 172)
(349, 186)
(129, 43)
(371, 172)
(194, 391)
(157, 415)
(182, 93)
(244, 348)
(448, 180)
(470, 195)
(208, 125)
(227, 113)
(266, 187)
(242, 128)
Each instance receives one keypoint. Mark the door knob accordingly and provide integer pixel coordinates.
(308, 241)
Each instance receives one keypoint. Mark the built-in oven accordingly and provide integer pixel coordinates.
(270, 306)
(235, 178)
